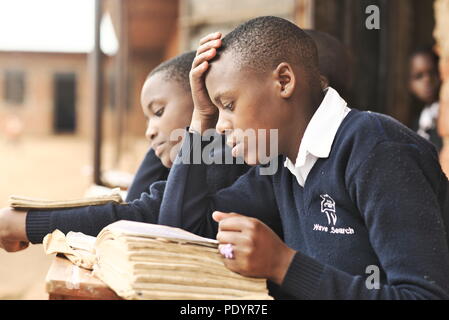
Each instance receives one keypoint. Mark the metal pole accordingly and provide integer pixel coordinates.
(97, 77)
(121, 61)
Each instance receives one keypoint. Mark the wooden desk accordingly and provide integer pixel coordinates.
(65, 281)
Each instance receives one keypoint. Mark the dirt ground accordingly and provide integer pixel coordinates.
(50, 168)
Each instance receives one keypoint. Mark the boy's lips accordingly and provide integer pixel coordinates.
(159, 148)
(231, 143)
(235, 146)
(237, 150)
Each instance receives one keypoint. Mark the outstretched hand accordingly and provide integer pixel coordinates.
(205, 114)
(257, 251)
(12, 230)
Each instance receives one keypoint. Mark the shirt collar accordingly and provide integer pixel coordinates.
(322, 128)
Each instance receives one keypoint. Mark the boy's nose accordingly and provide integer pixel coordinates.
(151, 132)
(223, 124)
(428, 78)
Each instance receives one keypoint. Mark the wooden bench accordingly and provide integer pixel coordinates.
(66, 281)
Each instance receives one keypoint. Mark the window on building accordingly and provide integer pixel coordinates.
(64, 102)
(14, 86)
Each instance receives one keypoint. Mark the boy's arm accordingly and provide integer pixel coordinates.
(190, 200)
(17, 228)
(205, 114)
(151, 170)
(90, 220)
(405, 224)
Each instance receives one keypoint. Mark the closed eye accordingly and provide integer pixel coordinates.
(419, 75)
(229, 107)
(159, 112)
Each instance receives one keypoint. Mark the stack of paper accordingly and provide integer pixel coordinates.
(76, 246)
(19, 202)
(145, 261)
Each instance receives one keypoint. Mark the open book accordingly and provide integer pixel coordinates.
(146, 261)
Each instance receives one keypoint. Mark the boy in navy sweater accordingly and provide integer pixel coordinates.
(359, 194)
(335, 69)
(170, 82)
(167, 104)
(150, 171)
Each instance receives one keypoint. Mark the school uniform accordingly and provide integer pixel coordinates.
(365, 193)
(427, 124)
(150, 170)
(142, 207)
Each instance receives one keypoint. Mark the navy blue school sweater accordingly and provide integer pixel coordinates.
(91, 219)
(378, 202)
(150, 171)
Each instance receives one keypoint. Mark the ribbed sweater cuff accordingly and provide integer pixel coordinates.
(37, 225)
(303, 277)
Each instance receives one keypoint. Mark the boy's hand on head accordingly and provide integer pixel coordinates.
(12, 230)
(257, 251)
(205, 114)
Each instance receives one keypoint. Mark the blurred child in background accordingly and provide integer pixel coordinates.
(424, 84)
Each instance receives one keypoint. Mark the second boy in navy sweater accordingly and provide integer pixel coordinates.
(167, 104)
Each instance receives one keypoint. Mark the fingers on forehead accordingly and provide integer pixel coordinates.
(208, 46)
(205, 56)
(210, 36)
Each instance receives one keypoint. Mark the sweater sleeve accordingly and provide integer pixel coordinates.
(190, 199)
(395, 191)
(90, 220)
(150, 171)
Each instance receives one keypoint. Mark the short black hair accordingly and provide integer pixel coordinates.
(264, 42)
(177, 69)
(335, 61)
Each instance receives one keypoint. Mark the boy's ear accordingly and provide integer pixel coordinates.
(324, 82)
(285, 80)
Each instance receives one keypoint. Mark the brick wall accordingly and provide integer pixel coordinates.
(442, 37)
(37, 109)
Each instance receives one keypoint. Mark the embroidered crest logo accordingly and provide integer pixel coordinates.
(328, 207)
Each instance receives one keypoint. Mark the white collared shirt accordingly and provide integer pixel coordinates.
(319, 135)
(428, 119)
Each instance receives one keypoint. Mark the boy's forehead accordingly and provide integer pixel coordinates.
(158, 83)
(157, 87)
(224, 72)
(149, 89)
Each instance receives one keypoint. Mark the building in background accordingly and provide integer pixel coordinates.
(50, 88)
(47, 91)
(53, 92)
(150, 31)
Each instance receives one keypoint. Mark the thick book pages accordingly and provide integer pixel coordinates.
(77, 247)
(19, 202)
(146, 261)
